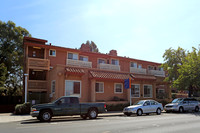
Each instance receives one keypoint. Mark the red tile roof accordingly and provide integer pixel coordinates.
(74, 70)
(144, 77)
(109, 75)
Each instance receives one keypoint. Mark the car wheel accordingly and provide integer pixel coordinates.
(158, 111)
(196, 109)
(128, 114)
(181, 110)
(45, 116)
(93, 113)
(84, 116)
(139, 112)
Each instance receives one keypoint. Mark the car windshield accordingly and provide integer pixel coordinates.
(178, 100)
(139, 102)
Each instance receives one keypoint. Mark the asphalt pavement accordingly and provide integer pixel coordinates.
(10, 117)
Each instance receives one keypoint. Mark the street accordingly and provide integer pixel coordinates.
(164, 123)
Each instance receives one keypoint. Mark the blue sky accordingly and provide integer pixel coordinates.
(140, 29)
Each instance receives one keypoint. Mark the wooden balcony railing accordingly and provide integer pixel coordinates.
(138, 70)
(156, 73)
(37, 85)
(79, 63)
(109, 67)
(36, 63)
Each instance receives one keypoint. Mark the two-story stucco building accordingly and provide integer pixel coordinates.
(57, 71)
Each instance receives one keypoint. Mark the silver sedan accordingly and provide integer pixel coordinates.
(144, 107)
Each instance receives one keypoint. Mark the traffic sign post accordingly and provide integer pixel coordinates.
(127, 85)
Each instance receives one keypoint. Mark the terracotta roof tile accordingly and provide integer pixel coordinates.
(75, 70)
(109, 75)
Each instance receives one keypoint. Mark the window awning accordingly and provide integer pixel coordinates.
(143, 77)
(74, 70)
(109, 75)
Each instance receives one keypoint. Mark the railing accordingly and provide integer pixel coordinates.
(156, 73)
(36, 63)
(37, 84)
(79, 63)
(109, 67)
(138, 70)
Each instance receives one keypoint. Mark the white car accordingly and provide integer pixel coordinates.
(144, 107)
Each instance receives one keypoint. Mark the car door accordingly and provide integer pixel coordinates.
(61, 106)
(154, 106)
(146, 107)
(185, 104)
(73, 106)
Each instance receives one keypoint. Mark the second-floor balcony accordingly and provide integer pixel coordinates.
(138, 70)
(79, 63)
(156, 73)
(36, 63)
(37, 85)
(109, 67)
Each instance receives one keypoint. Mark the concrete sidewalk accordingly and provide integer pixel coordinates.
(9, 117)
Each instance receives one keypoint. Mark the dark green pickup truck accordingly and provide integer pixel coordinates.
(67, 106)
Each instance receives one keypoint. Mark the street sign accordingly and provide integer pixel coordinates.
(127, 83)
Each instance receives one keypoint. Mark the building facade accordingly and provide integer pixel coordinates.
(93, 77)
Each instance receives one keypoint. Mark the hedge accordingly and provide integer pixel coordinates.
(21, 109)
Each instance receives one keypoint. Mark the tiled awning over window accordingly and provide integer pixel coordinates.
(143, 77)
(109, 75)
(74, 70)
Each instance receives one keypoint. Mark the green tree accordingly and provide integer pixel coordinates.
(3, 72)
(189, 72)
(93, 46)
(11, 53)
(173, 59)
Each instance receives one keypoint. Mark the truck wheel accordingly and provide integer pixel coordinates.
(84, 116)
(45, 116)
(93, 113)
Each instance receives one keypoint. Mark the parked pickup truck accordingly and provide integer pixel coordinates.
(67, 106)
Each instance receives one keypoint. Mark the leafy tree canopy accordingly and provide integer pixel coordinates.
(183, 68)
(11, 54)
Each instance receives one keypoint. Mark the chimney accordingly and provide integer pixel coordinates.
(85, 47)
(113, 52)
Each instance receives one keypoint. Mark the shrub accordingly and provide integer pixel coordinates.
(21, 109)
(116, 107)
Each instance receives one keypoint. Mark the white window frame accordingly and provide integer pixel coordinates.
(101, 59)
(161, 90)
(103, 87)
(116, 88)
(72, 55)
(52, 52)
(73, 81)
(53, 81)
(134, 63)
(115, 62)
(139, 91)
(151, 90)
(83, 58)
(140, 66)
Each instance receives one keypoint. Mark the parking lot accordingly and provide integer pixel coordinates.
(164, 123)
